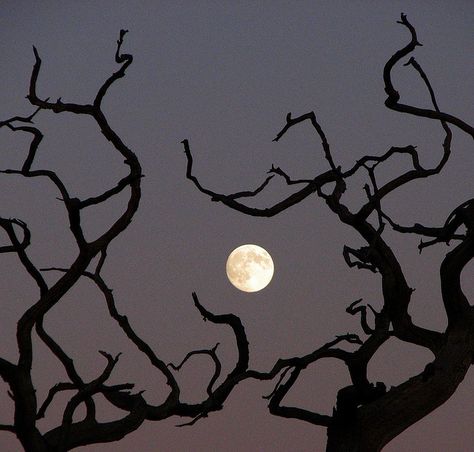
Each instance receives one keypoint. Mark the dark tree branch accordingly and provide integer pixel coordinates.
(72, 204)
(287, 178)
(125, 60)
(290, 122)
(229, 200)
(95, 200)
(127, 328)
(295, 366)
(278, 383)
(363, 256)
(58, 387)
(354, 309)
(101, 262)
(393, 98)
(239, 332)
(417, 173)
(58, 106)
(364, 161)
(25, 119)
(7, 428)
(66, 361)
(19, 248)
(57, 350)
(457, 218)
(294, 412)
(455, 301)
(90, 431)
(94, 110)
(8, 371)
(373, 199)
(217, 365)
(84, 393)
(240, 372)
(7, 225)
(37, 137)
(216, 196)
(326, 351)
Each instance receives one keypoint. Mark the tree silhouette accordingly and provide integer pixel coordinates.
(367, 415)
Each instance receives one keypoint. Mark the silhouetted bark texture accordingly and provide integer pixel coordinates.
(366, 415)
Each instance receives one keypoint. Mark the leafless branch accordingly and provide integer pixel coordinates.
(7, 225)
(354, 309)
(287, 178)
(58, 387)
(393, 98)
(239, 332)
(7, 428)
(35, 142)
(217, 365)
(125, 60)
(278, 383)
(290, 122)
(230, 200)
(362, 255)
(126, 327)
(294, 412)
(20, 249)
(24, 119)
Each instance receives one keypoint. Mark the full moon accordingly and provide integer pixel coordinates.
(249, 268)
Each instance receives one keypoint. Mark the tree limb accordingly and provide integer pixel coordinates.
(393, 98)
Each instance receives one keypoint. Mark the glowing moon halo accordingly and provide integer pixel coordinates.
(249, 268)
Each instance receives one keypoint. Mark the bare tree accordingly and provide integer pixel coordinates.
(366, 415)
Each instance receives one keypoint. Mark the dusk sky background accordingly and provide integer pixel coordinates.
(224, 74)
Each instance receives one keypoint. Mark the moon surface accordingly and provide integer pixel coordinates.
(249, 268)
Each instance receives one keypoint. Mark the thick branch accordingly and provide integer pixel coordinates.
(456, 304)
(7, 428)
(8, 370)
(241, 338)
(396, 292)
(91, 432)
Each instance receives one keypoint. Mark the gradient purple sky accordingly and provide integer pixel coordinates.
(223, 74)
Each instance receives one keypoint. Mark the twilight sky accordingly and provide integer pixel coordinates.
(223, 74)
